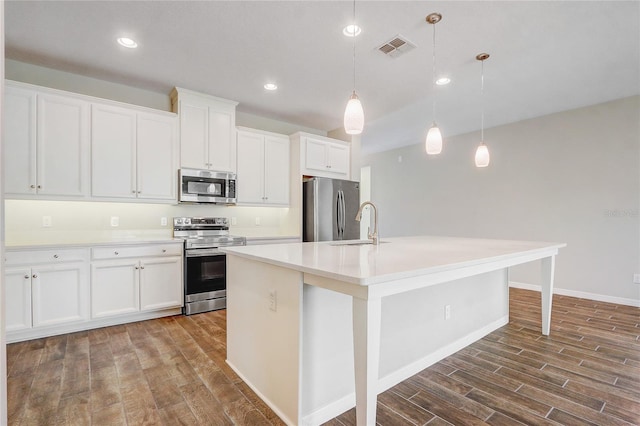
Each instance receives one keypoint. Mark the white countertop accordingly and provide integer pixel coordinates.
(393, 259)
(49, 240)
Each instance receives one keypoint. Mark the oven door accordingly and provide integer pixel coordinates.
(205, 271)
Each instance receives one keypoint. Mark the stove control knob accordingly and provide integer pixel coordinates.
(187, 221)
(179, 221)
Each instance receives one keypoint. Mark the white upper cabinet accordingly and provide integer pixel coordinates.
(46, 144)
(207, 130)
(134, 154)
(324, 157)
(157, 157)
(263, 168)
(113, 148)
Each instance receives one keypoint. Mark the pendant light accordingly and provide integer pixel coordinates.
(353, 113)
(433, 143)
(482, 153)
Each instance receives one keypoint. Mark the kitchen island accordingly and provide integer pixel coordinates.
(316, 328)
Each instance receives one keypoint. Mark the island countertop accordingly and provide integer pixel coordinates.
(393, 258)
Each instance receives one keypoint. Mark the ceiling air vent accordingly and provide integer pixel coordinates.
(398, 45)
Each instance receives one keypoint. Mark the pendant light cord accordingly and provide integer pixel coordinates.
(353, 34)
(482, 102)
(433, 81)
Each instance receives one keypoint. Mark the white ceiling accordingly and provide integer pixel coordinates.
(545, 56)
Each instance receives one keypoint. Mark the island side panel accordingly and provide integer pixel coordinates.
(263, 345)
(414, 334)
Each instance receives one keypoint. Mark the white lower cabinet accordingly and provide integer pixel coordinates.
(133, 279)
(158, 283)
(50, 293)
(17, 284)
(114, 288)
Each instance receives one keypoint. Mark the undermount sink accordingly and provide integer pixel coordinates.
(355, 243)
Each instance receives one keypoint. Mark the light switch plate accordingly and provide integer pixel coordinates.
(163, 221)
(115, 221)
(46, 221)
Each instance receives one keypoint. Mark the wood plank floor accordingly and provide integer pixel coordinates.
(171, 371)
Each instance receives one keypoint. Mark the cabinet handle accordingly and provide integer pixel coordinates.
(55, 256)
(39, 186)
(33, 186)
(26, 277)
(164, 250)
(116, 253)
(35, 275)
(142, 267)
(139, 192)
(137, 267)
(133, 191)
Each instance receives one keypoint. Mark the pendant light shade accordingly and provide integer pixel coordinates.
(482, 156)
(433, 144)
(353, 116)
(482, 153)
(353, 113)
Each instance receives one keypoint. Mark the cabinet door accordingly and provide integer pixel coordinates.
(315, 158)
(250, 182)
(113, 162)
(161, 283)
(276, 170)
(59, 293)
(222, 138)
(338, 158)
(156, 154)
(114, 288)
(194, 136)
(19, 147)
(18, 298)
(62, 141)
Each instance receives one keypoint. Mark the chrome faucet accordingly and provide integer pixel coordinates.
(372, 236)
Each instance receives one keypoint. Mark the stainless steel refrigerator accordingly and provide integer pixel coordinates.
(329, 210)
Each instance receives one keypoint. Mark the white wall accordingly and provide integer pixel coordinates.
(3, 347)
(571, 177)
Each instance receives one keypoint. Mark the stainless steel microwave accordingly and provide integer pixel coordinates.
(206, 186)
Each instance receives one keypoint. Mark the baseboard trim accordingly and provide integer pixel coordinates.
(338, 407)
(579, 294)
(54, 330)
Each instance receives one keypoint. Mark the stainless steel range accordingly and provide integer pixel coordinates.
(205, 266)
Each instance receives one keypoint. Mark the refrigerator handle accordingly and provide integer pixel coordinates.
(338, 213)
(316, 234)
(344, 212)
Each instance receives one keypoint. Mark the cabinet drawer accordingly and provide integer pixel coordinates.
(32, 257)
(118, 252)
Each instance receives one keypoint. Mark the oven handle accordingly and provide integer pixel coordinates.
(203, 252)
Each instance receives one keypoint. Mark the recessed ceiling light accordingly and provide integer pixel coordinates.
(351, 30)
(271, 86)
(127, 42)
(443, 81)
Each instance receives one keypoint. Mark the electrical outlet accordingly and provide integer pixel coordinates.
(234, 220)
(163, 221)
(447, 312)
(636, 278)
(273, 300)
(257, 221)
(46, 221)
(115, 221)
